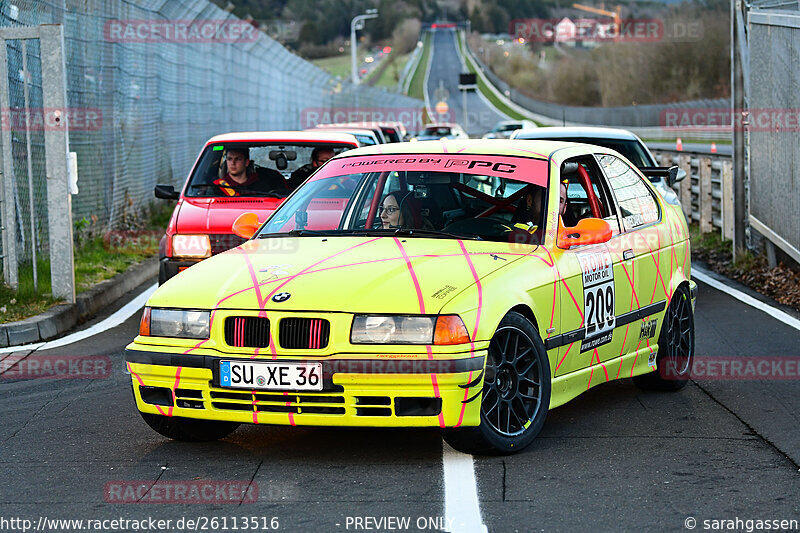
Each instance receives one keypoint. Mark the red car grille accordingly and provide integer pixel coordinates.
(247, 332)
(304, 333)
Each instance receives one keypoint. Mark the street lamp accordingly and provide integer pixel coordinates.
(358, 24)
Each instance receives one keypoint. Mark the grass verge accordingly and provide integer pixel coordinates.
(780, 283)
(97, 257)
(415, 88)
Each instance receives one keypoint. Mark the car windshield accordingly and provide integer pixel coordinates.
(507, 127)
(437, 130)
(631, 149)
(424, 201)
(256, 169)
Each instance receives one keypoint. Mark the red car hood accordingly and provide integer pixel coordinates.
(216, 215)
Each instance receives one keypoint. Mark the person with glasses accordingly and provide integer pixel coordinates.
(401, 210)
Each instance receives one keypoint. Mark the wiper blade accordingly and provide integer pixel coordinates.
(435, 233)
(297, 233)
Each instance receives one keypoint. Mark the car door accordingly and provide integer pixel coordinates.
(596, 288)
(640, 215)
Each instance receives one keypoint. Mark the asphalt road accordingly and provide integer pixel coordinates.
(615, 458)
(442, 85)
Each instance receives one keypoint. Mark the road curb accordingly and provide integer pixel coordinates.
(63, 317)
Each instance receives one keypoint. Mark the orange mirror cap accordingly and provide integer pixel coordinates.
(144, 323)
(587, 231)
(246, 225)
(450, 329)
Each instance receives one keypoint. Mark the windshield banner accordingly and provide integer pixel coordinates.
(524, 169)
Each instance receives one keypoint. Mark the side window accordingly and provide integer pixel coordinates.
(635, 199)
(579, 200)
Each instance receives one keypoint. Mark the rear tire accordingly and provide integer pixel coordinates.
(675, 347)
(189, 429)
(516, 392)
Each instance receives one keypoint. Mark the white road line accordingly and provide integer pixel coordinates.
(111, 322)
(462, 511)
(704, 276)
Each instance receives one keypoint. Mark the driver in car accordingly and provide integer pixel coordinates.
(241, 180)
(319, 155)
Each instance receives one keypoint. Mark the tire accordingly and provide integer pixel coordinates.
(189, 429)
(675, 347)
(513, 408)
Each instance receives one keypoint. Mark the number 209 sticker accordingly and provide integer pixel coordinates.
(598, 297)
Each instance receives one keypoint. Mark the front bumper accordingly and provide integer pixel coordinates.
(358, 390)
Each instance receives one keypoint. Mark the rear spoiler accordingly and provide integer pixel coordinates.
(671, 175)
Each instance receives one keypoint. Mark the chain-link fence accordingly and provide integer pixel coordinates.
(147, 83)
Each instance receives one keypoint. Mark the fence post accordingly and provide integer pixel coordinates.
(56, 140)
(727, 199)
(704, 200)
(8, 223)
(685, 163)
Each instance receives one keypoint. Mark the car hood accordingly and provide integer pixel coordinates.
(216, 215)
(350, 274)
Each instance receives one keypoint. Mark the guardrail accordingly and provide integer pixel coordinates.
(707, 192)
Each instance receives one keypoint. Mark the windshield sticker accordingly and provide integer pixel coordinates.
(529, 170)
(217, 148)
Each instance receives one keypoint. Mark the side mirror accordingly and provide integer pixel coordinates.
(587, 231)
(675, 175)
(246, 225)
(166, 192)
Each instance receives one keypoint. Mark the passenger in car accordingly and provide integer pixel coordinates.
(319, 155)
(400, 210)
(241, 178)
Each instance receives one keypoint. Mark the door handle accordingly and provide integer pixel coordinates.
(627, 255)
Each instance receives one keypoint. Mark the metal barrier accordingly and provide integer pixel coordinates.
(707, 192)
(144, 93)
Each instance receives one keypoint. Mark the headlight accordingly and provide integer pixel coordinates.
(385, 329)
(191, 246)
(185, 324)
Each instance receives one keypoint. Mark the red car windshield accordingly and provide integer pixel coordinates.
(256, 169)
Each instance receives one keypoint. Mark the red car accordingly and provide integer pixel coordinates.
(236, 173)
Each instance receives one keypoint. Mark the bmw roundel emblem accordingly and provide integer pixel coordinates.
(281, 297)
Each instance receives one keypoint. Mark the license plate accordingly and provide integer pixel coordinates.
(270, 375)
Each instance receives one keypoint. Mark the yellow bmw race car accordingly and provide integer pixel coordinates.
(466, 285)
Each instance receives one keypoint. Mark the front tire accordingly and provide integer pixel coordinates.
(675, 347)
(189, 429)
(516, 392)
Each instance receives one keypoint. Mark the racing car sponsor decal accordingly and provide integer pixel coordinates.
(528, 169)
(598, 297)
(442, 293)
(648, 328)
(651, 359)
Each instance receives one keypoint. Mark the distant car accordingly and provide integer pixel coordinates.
(365, 137)
(504, 128)
(428, 284)
(372, 126)
(442, 130)
(208, 204)
(623, 141)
